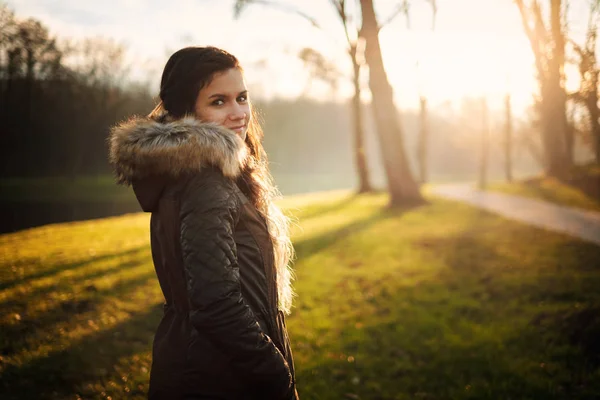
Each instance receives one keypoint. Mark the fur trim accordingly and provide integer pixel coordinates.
(142, 147)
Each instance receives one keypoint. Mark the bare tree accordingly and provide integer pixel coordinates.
(320, 68)
(57, 113)
(525, 136)
(508, 139)
(485, 140)
(353, 50)
(587, 95)
(355, 54)
(8, 28)
(401, 184)
(42, 57)
(31, 55)
(99, 65)
(547, 40)
(97, 60)
(423, 140)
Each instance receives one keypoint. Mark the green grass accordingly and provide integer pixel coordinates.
(568, 194)
(437, 302)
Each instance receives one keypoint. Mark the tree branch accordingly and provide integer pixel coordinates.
(434, 10)
(401, 9)
(241, 4)
(577, 97)
(533, 39)
(541, 33)
(578, 49)
(340, 6)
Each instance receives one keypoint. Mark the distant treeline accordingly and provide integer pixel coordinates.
(307, 137)
(59, 98)
(58, 101)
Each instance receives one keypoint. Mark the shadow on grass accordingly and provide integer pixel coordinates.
(90, 359)
(66, 267)
(16, 336)
(335, 206)
(471, 332)
(566, 283)
(73, 281)
(316, 244)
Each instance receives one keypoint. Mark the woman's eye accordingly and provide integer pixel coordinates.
(218, 102)
(242, 99)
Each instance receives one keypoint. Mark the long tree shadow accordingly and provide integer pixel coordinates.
(15, 337)
(68, 267)
(59, 373)
(469, 332)
(315, 244)
(564, 286)
(73, 281)
(315, 212)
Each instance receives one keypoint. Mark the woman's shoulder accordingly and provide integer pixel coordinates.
(209, 185)
(211, 176)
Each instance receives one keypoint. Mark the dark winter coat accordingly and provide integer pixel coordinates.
(221, 335)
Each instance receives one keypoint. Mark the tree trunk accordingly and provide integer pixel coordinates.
(594, 113)
(401, 184)
(570, 140)
(485, 132)
(29, 79)
(11, 76)
(423, 139)
(556, 125)
(508, 139)
(548, 46)
(591, 103)
(360, 157)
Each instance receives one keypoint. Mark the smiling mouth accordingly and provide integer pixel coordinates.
(238, 128)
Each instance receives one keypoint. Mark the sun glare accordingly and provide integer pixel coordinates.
(454, 65)
(482, 51)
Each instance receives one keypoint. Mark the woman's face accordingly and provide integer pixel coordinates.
(225, 102)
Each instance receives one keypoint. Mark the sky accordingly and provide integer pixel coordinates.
(478, 47)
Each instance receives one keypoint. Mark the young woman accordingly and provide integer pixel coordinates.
(220, 245)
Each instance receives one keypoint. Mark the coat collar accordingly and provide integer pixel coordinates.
(142, 147)
(148, 154)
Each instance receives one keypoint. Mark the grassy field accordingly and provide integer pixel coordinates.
(555, 191)
(437, 302)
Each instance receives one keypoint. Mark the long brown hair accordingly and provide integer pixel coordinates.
(188, 71)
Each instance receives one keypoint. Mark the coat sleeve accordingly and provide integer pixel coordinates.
(209, 212)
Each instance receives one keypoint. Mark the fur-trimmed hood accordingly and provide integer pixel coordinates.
(147, 154)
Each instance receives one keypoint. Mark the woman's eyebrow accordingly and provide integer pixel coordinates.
(243, 92)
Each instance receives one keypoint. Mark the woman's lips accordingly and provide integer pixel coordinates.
(239, 128)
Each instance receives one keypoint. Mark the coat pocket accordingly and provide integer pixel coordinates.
(203, 357)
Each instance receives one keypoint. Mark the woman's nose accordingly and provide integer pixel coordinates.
(238, 112)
